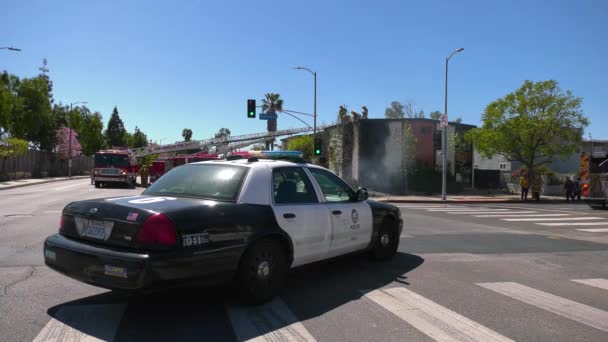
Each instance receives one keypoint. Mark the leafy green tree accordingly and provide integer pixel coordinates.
(258, 147)
(534, 125)
(435, 115)
(116, 134)
(272, 103)
(90, 133)
(302, 143)
(395, 111)
(11, 147)
(139, 139)
(9, 85)
(187, 134)
(32, 119)
(223, 133)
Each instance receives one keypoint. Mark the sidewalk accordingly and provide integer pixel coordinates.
(34, 181)
(465, 199)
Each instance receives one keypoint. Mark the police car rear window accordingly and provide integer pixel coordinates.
(210, 181)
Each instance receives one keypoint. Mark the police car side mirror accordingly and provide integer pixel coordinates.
(362, 194)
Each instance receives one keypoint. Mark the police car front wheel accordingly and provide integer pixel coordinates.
(262, 271)
(387, 243)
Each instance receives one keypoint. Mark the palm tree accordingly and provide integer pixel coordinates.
(272, 103)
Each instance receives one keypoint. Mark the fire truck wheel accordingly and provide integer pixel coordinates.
(98, 184)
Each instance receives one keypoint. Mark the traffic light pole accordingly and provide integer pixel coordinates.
(314, 130)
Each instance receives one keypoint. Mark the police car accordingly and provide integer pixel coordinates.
(247, 220)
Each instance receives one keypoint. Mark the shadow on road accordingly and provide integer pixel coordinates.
(194, 314)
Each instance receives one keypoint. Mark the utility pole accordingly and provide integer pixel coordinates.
(444, 136)
(314, 125)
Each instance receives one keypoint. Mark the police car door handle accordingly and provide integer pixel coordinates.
(289, 215)
(337, 212)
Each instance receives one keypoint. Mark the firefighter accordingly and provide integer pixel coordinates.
(524, 185)
(143, 174)
(536, 188)
(569, 188)
(576, 189)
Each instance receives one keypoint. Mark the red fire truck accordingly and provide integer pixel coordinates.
(594, 179)
(114, 167)
(162, 165)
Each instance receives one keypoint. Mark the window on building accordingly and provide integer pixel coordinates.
(502, 166)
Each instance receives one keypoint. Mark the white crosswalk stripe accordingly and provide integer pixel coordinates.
(582, 218)
(581, 313)
(471, 212)
(521, 214)
(434, 320)
(559, 224)
(269, 322)
(594, 230)
(468, 209)
(599, 282)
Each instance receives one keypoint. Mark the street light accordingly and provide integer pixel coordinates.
(444, 136)
(9, 48)
(314, 129)
(70, 139)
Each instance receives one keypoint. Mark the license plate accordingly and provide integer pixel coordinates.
(115, 271)
(98, 229)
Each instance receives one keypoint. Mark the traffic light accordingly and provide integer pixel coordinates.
(318, 147)
(251, 109)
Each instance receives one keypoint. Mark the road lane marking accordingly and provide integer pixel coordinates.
(554, 219)
(464, 208)
(470, 212)
(432, 207)
(71, 186)
(599, 282)
(594, 230)
(99, 321)
(52, 211)
(268, 322)
(434, 320)
(521, 214)
(581, 313)
(557, 224)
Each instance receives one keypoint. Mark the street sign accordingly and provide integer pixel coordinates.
(268, 116)
(444, 120)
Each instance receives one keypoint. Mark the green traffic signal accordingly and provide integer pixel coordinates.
(317, 152)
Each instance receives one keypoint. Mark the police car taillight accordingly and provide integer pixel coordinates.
(157, 230)
(61, 223)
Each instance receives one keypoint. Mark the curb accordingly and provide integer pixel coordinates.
(41, 182)
(488, 201)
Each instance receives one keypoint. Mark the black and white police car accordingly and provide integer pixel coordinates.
(248, 220)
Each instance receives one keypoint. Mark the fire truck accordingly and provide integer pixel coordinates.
(162, 165)
(114, 167)
(594, 179)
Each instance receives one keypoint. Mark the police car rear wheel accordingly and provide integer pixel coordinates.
(387, 243)
(262, 272)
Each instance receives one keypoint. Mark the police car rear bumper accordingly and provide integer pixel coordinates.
(113, 269)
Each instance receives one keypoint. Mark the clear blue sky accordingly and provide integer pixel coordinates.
(175, 64)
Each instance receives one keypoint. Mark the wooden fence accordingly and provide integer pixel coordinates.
(39, 164)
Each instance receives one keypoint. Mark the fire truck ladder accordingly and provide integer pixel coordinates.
(223, 144)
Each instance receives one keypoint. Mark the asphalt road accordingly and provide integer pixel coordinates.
(457, 277)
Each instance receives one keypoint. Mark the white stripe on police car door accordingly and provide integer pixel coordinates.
(554, 219)
(100, 321)
(557, 224)
(434, 320)
(269, 322)
(581, 313)
(594, 230)
(599, 282)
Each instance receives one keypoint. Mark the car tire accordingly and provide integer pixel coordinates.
(262, 272)
(98, 184)
(387, 243)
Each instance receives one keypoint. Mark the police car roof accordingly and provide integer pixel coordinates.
(259, 162)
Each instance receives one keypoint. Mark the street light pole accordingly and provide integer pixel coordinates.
(70, 138)
(444, 136)
(314, 125)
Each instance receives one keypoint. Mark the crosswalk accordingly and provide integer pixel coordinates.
(588, 224)
(275, 321)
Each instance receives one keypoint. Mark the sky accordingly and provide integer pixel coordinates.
(169, 65)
